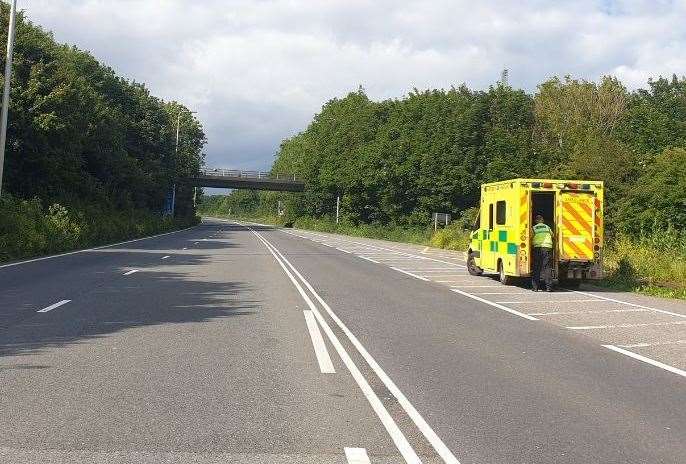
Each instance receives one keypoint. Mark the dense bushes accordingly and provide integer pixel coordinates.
(90, 156)
(654, 262)
(398, 161)
(78, 132)
(29, 229)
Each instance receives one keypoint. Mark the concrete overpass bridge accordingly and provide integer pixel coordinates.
(255, 180)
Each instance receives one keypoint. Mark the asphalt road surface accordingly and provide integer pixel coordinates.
(240, 343)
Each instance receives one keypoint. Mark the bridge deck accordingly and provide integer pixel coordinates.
(221, 178)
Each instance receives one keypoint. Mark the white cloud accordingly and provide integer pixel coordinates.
(257, 70)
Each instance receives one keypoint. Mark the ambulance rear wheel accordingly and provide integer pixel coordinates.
(472, 268)
(504, 278)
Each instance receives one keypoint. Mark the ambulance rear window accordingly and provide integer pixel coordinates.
(501, 213)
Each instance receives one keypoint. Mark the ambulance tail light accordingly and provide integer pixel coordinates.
(547, 185)
(572, 186)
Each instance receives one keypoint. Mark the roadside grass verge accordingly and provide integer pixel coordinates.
(653, 263)
(29, 229)
(452, 237)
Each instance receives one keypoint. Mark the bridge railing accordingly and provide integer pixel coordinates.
(237, 173)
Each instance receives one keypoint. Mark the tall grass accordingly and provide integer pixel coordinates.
(452, 237)
(27, 228)
(653, 263)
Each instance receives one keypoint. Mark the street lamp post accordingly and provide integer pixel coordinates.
(176, 153)
(6, 92)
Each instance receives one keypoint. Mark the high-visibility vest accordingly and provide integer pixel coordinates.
(543, 236)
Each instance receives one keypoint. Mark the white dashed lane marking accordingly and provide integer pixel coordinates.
(357, 456)
(320, 351)
(645, 359)
(53, 306)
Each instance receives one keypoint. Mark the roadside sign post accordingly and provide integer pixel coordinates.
(440, 219)
(338, 207)
(6, 91)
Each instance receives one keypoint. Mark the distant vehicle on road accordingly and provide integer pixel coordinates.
(500, 241)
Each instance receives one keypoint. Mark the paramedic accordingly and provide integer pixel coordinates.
(543, 255)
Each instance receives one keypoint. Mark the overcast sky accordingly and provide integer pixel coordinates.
(256, 71)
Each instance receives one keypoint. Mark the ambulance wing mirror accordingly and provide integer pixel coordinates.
(477, 221)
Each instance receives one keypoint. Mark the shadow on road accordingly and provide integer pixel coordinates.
(182, 290)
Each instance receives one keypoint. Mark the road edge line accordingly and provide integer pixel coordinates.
(42, 258)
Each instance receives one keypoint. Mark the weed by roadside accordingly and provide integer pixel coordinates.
(653, 263)
(28, 229)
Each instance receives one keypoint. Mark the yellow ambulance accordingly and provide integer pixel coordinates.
(500, 241)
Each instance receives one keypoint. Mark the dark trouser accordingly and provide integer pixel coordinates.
(543, 260)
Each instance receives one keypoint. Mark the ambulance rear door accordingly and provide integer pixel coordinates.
(575, 226)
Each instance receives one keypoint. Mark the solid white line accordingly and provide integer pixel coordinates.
(475, 286)
(165, 257)
(602, 311)
(623, 326)
(499, 293)
(449, 275)
(545, 301)
(631, 354)
(419, 421)
(370, 260)
(384, 416)
(432, 269)
(356, 456)
(92, 249)
(131, 272)
(646, 345)
(495, 305)
(630, 304)
(386, 258)
(53, 306)
(410, 274)
(323, 358)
